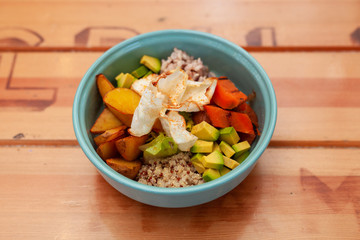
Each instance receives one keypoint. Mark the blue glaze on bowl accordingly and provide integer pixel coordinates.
(223, 58)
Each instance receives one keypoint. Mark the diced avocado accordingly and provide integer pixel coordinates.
(229, 135)
(228, 162)
(199, 167)
(197, 158)
(139, 72)
(161, 146)
(210, 174)
(117, 78)
(152, 63)
(224, 171)
(226, 149)
(147, 74)
(125, 80)
(242, 157)
(204, 131)
(216, 147)
(214, 160)
(201, 146)
(240, 148)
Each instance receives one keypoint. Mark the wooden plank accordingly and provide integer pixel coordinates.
(316, 93)
(247, 23)
(316, 188)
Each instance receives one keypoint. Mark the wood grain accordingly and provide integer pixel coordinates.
(316, 93)
(247, 23)
(59, 183)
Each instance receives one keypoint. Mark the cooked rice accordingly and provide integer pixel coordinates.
(195, 68)
(174, 171)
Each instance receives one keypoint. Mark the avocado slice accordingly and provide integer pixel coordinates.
(140, 71)
(201, 146)
(199, 167)
(228, 162)
(224, 171)
(214, 160)
(204, 131)
(197, 158)
(154, 64)
(242, 157)
(226, 149)
(240, 148)
(216, 147)
(125, 80)
(161, 146)
(210, 174)
(229, 135)
(148, 73)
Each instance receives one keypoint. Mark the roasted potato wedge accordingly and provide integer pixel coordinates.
(110, 134)
(122, 102)
(103, 84)
(106, 120)
(107, 150)
(126, 168)
(128, 147)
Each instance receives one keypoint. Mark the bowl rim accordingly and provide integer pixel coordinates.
(269, 122)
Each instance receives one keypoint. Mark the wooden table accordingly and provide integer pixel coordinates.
(305, 186)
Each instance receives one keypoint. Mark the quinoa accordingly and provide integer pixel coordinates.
(195, 68)
(174, 171)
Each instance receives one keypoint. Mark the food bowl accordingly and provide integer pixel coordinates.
(224, 59)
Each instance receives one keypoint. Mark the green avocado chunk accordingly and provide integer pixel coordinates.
(140, 72)
(154, 64)
(226, 149)
(214, 160)
(201, 146)
(240, 148)
(228, 162)
(148, 73)
(229, 135)
(199, 167)
(224, 171)
(162, 146)
(210, 174)
(204, 131)
(242, 157)
(125, 80)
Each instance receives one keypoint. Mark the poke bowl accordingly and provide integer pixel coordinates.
(242, 79)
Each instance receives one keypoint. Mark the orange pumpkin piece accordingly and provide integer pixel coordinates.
(199, 117)
(106, 120)
(227, 95)
(241, 122)
(218, 116)
(110, 134)
(128, 147)
(107, 150)
(245, 108)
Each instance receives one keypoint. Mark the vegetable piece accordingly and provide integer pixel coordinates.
(125, 80)
(128, 147)
(205, 131)
(241, 122)
(245, 108)
(147, 74)
(103, 84)
(226, 149)
(240, 148)
(162, 146)
(154, 64)
(227, 95)
(110, 134)
(224, 171)
(229, 135)
(218, 116)
(107, 150)
(210, 174)
(106, 120)
(122, 102)
(214, 160)
(197, 158)
(199, 167)
(228, 162)
(242, 157)
(126, 168)
(216, 147)
(200, 116)
(201, 146)
(140, 72)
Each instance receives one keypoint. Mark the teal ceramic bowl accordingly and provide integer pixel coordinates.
(223, 58)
